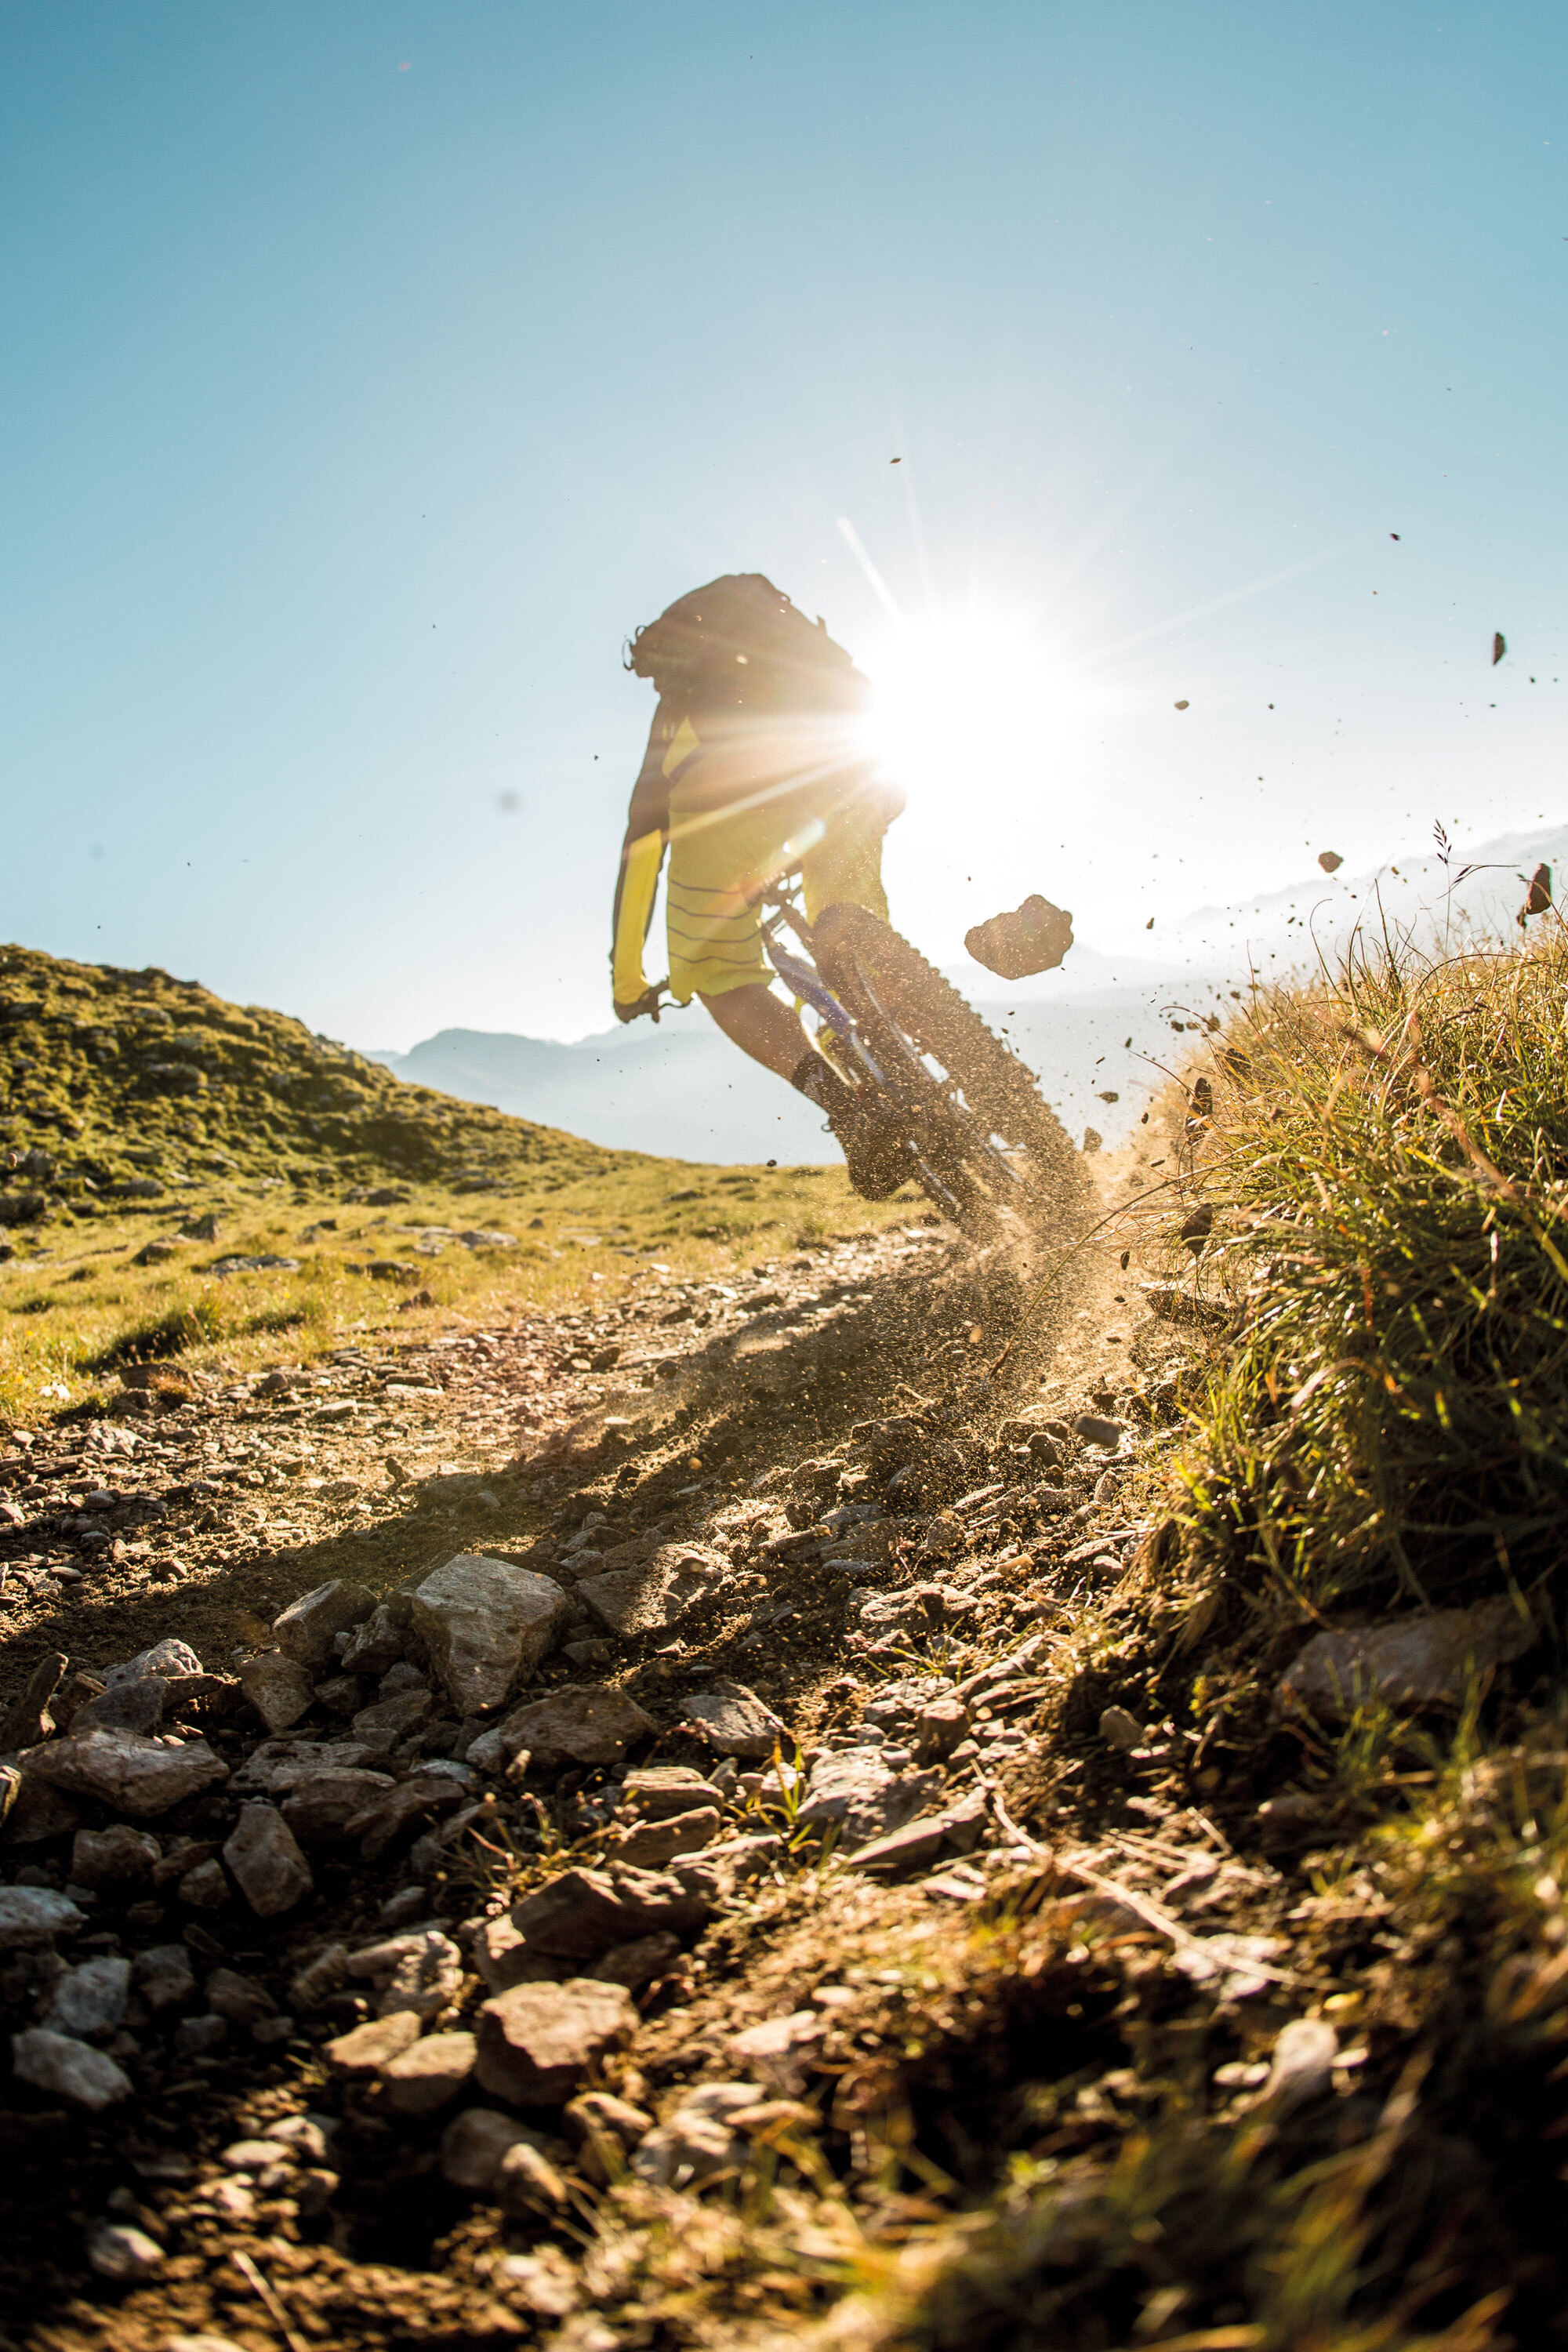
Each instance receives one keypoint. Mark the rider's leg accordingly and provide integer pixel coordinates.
(763, 1025)
(771, 1032)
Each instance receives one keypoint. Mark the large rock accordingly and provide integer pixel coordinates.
(131, 1774)
(265, 1862)
(583, 1913)
(579, 1726)
(1406, 1663)
(68, 2069)
(734, 1720)
(486, 1622)
(309, 1627)
(537, 2041)
(31, 1916)
(655, 1594)
(278, 1687)
(864, 1796)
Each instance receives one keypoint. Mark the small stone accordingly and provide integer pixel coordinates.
(421, 1971)
(117, 2252)
(690, 2151)
(310, 2136)
(956, 1829)
(545, 2283)
(199, 2037)
(250, 2155)
(580, 1726)
(205, 1888)
(30, 1915)
(580, 1913)
(166, 1657)
(1121, 1730)
(376, 1646)
(91, 1998)
(131, 1774)
(367, 2048)
(734, 1720)
(68, 2069)
(385, 1726)
(429, 2074)
(309, 1627)
(340, 1695)
(486, 1622)
(536, 2042)
(238, 1998)
(941, 1724)
(858, 1790)
(278, 1687)
(527, 2182)
(387, 1816)
(319, 1808)
(652, 1843)
(164, 1976)
(116, 1857)
(778, 2049)
(1302, 2070)
(599, 2112)
(473, 2144)
(656, 1593)
(265, 1862)
(129, 1706)
(662, 1789)
(1095, 1430)
(637, 1963)
(1406, 1662)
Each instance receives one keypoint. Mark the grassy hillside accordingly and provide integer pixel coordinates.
(151, 1134)
(1372, 1231)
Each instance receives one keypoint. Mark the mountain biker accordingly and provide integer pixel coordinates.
(755, 767)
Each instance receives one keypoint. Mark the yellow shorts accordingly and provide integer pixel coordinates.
(718, 858)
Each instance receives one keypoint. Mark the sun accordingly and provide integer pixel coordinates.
(973, 703)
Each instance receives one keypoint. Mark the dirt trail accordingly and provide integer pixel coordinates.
(876, 1523)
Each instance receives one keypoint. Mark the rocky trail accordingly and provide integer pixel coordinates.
(589, 1828)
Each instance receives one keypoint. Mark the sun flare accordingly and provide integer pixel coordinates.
(971, 703)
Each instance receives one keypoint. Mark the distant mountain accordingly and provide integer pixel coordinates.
(1103, 1025)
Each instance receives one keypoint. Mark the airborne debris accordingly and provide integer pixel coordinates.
(1033, 938)
(1330, 860)
(1500, 647)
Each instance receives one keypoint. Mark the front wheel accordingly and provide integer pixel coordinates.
(987, 1146)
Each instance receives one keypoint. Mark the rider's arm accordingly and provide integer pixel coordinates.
(642, 855)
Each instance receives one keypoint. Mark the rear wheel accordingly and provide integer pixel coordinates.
(987, 1144)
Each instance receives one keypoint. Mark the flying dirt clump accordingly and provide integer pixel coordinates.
(1033, 938)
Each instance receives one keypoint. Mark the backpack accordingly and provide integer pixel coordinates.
(739, 642)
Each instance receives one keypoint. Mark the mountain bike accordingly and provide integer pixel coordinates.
(981, 1144)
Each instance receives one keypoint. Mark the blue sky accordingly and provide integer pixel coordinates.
(369, 372)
